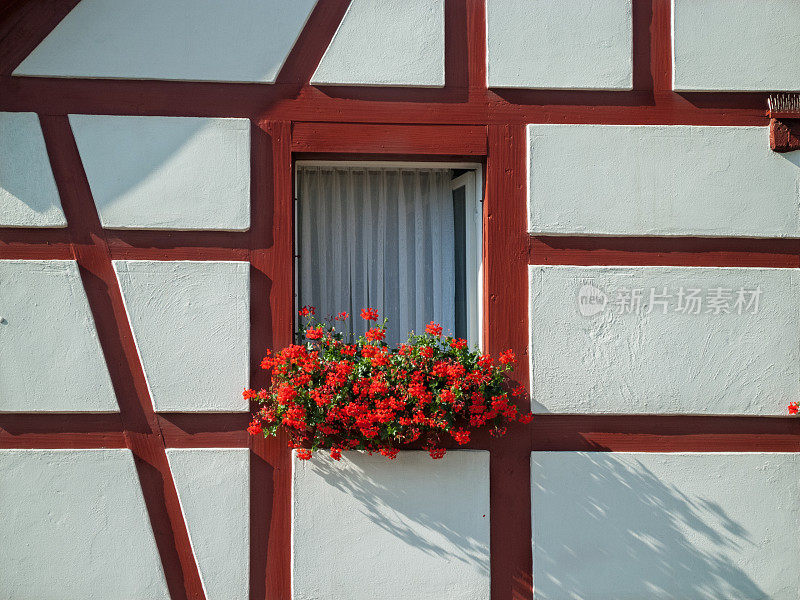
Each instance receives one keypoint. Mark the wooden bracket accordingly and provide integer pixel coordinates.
(784, 134)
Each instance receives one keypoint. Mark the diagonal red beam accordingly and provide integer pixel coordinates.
(312, 42)
(141, 425)
(24, 24)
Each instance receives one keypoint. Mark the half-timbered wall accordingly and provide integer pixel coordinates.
(146, 264)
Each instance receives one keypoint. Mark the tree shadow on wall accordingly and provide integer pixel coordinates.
(413, 516)
(613, 530)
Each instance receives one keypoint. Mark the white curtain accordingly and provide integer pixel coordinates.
(380, 238)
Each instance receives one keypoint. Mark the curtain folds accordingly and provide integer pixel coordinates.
(377, 237)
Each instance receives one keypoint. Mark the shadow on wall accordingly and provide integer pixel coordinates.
(122, 154)
(614, 530)
(402, 511)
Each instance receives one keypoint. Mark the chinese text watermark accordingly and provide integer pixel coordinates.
(663, 300)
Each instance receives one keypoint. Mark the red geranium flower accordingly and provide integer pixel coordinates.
(375, 334)
(314, 334)
(507, 357)
(793, 408)
(433, 328)
(369, 314)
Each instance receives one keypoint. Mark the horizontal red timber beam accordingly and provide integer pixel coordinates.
(378, 105)
(61, 430)
(664, 433)
(177, 245)
(204, 430)
(34, 244)
(360, 138)
(673, 251)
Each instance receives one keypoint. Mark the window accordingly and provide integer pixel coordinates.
(402, 238)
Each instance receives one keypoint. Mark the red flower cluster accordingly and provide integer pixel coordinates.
(335, 395)
(793, 408)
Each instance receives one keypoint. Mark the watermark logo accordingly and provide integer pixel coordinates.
(665, 300)
(591, 299)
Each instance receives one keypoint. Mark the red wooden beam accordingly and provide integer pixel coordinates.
(34, 244)
(24, 24)
(506, 326)
(65, 430)
(204, 430)
(674, 251)
(271, 326)
(370, 105)
(348, 138)
(141, 425)
(664, 433)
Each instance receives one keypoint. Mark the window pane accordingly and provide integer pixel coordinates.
(381, 238)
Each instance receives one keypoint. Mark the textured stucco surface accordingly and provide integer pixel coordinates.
(412, 529)
(736, 45)
(191, 322)
(571, 44)
(201, 40)
(714, 526)
(661, 180)
(678, 362)
(386, 43)
(74, 526)
(167, 172)
(214, 491)
(50, 355)
(28, 193)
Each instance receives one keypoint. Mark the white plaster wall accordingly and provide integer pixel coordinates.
(191, 322)
(571, 44)
(202, 40)
(28, 193)
(661, 180)
(50, 355)
(653, 362)
(387, 42)
(608, 526)
(412, 529)
(167, 172)
(75, 526)
(214, 491)
(736, 45)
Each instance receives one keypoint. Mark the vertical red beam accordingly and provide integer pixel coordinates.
(140, 422)
(661, 45)
(271, 310)
(476, 45)
(506, 326)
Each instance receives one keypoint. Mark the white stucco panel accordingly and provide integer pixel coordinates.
(200, 40)
(412, 529)
(214, 489)
(661, 180)
(167, 172)
(191, 322)
(386, 42)
(662, 526)
(75, 526)
(50, 355)
(736, 45)
(596, 349)
(571, 44)
(28, 193)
